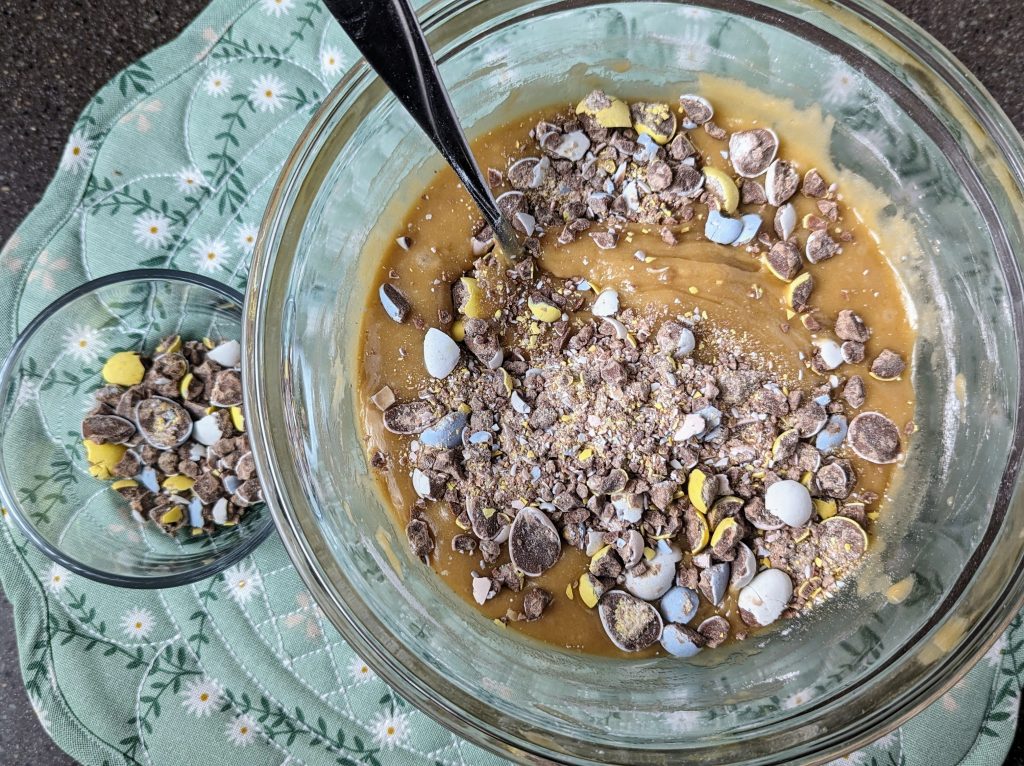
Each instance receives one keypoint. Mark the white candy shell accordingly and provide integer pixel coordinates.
(790, 501)
(606, 304)
(830, 352)
(227, 354)
(440, 353)
(207, 430)
(657, 578)
(763, 600)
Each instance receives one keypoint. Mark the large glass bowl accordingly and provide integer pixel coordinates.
(46, 387)
(909, 121)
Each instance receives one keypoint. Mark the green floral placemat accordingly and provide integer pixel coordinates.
(171, 165)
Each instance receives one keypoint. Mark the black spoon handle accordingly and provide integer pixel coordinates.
(388, 35)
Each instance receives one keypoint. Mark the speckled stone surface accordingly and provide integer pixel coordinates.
(54, 54)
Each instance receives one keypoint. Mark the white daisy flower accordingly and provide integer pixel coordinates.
(78, 152)
(694, 51)
(360, 671)
(242, 730)
(217, 83)
(201, 696)
(57, 579)
(190, 180)
(682, 720)
(10, 245)
(390, 730)
(242, 582)
(331, 61)
(887, 741)
(41, 714)
(210, 253)
(137, 623)
(266, 93)
(841, 86)
(83, 343)
(152, 230)
(856, 758)
(994, 656)
(799, 698)
(277, 8)
(245, 237)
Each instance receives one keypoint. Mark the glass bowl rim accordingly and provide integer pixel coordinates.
(7, 372)
(280, 214)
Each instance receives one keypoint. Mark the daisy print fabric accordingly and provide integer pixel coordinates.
(171, 165)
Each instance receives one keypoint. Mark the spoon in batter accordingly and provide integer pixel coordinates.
(388, 35)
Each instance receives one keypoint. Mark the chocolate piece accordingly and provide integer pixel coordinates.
(781, 182)
(420, 538)
(836, 479)
(227, 389)
(245, 468)
(463, 544)
(875, 438)
(108, 429)
(809, 419)
(814, 185)
(659, 175)
(128, 466)
(842, 541)
(606, 240)
(820, 247)
(535, 602)
(631, 624)
(853, 391)
(534, 544)
(752, 193)
(409, 417)
(752, 151)
(715, 631)
(482, 341)
(849, 326)
(853, 352)
(783, 260)
(715, 130)
(163, 423)
(696, 108)
(888, 365)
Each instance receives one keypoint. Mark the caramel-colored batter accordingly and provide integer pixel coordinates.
(727, 283)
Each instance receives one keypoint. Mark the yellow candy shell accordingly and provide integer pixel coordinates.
(694, 489)
(172, 516)
(544, 312)
(178, 483)
(723, 188)
(474, 306)
(615, 115)
(723, 526)
(238, 419)
(587, 593)
(124, 369)
(103, 457)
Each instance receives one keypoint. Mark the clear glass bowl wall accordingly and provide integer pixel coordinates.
(922, 133)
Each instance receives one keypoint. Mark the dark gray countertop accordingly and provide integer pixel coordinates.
(55, 54)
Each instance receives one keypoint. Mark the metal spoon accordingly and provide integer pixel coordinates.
(388, 35)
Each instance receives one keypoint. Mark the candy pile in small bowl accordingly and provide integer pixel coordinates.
(170, 432)
(123, 453)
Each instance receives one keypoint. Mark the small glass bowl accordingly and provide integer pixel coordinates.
(46, 387)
